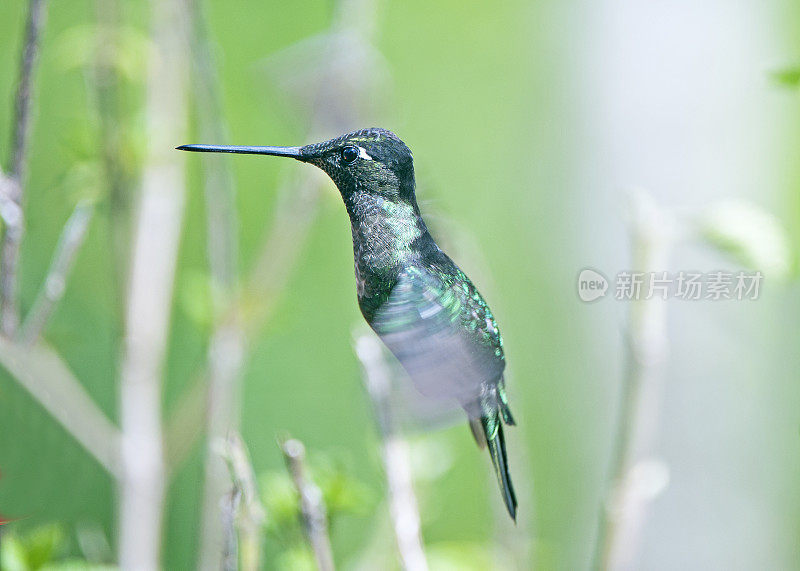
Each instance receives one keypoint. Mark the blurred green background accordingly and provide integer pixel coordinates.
(527, 120)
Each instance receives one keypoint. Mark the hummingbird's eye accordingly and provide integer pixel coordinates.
(349, 154)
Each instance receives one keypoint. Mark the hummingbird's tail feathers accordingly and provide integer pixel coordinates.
(502, 398)
(505, 412)
(496, 442)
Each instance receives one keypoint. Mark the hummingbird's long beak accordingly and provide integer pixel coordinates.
(293, 152)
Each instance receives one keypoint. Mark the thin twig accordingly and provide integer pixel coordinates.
(55, 282)
(396, 458)
(312, 506)
(41, 371)
(110, 117)
(636, 477)
(228, 343)
(22, 108)
(11, 185)
(157, 231)
(226, 354)
(245, 505)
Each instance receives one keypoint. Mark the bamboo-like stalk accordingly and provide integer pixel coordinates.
(106, 100)
(155, 248)
(12, 184)
(403, 507)
(312, 505)
(246, 512)
(228, 342)
(636, 476)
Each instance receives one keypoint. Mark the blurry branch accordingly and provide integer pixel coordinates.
(227, 344)
(312, 507)
(11, 184)
(339, 105)
(226, 354)
(245, 509)
(47, 378)
(55, 282)
(220, 196)
(22, 109)
(105, 80)
(637, 478)
(396, 459)
(156, 238)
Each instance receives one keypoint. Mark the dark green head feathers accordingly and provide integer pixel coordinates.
(362, 159)
(370, 161)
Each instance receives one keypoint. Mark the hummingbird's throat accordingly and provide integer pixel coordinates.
(384, 231)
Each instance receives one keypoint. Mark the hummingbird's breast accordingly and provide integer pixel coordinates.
(386, 236)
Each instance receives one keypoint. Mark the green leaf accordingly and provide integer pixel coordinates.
(12, 554)
(787, 77)
(751, 235)
(43, 544)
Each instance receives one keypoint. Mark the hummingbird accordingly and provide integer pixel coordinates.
(418, 301)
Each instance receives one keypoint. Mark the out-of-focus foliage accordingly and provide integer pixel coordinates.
(42, 549)
(755, 238)
(342, 494)
(787, 77)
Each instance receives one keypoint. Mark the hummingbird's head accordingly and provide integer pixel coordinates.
(372, 161)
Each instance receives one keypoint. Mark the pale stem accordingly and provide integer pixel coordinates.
(396, 458)
(49, 380)
(246, 512)
(55, 282)
(156, 236)
(312, 505)
(637, 477)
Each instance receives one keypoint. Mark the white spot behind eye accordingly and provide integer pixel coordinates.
(363, 154)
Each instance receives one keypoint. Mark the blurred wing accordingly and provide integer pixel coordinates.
(443, 334)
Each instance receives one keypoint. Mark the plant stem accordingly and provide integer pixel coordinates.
(155, 248)
(227, 345)
(312, 506)
(55, 282)
(636, 477)
(41, 371)
(11, 185)
(396, 459)
(246, 509)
